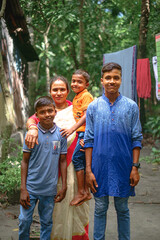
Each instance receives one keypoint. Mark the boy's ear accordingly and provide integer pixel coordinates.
(87, 84)
(36, 114)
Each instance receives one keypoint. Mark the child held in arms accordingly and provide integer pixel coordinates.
(79, 84)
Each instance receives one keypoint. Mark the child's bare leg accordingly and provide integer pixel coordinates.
(81, 194)
(87, 191)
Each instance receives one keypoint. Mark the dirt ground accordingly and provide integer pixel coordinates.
(144, 210)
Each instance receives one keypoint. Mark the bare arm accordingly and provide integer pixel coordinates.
(63, 169)
(32, 134)
(134, 176)
(90, 178)
(24, 195)
(68, 132)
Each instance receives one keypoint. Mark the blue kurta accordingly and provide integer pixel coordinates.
(113, 131)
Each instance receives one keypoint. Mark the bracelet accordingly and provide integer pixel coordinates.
(32, 124)
(33, 127)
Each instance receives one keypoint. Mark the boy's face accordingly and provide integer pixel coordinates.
(46, 115)
(111, 81)
(78, 83)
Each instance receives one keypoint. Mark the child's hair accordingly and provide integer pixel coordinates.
(43, 101)
(63, 79)
(82, 72)
(109, 67)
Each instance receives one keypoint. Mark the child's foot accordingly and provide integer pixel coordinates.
(89, 197)
(78, 198)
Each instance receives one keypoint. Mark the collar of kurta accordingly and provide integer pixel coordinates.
(80, 94)
(107, 100)
(43, 130)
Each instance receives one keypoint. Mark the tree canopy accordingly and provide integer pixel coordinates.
(72, 34)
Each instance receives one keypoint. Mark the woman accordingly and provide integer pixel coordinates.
(69, 222)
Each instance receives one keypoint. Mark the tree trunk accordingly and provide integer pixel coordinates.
(8, 98)
(3, 8)
(47, 59)
(142, 51)
(73, 55)
(33, 74)
(7, 112)
(81, 33)
(33, 77)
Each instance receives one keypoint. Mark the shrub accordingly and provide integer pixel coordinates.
(10, 172)
(153, 126)
(154, 156)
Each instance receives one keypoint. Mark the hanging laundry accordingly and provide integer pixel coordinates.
(157, 38)
(143, 78)
(155, 70)
(127, 58)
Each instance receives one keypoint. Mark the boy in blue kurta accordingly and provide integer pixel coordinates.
(113, 142)
(39, 172)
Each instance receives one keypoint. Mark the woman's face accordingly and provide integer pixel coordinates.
(59, 92)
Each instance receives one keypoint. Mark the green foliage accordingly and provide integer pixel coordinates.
(153, 126)
(10, 172)
(109, 26)
(154, 156)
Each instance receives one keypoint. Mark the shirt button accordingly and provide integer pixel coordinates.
(112, 119)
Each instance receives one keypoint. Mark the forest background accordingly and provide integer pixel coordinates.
(72, 34)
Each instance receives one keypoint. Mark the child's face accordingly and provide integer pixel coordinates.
(46, 115)
(111, 81)
(78, 83)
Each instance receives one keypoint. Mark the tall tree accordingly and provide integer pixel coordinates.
(81, 33)
(142, 51)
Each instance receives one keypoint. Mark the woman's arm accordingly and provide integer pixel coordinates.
(32, 135)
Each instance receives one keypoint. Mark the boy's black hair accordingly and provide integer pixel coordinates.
(109, 67)
(63, 79)
(43, 101)
(82, 72)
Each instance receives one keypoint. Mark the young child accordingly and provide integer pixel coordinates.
(39, 171)
(79, 84)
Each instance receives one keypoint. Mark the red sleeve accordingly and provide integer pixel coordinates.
(35, 118)
(69, 102)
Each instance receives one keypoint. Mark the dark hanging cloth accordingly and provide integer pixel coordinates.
(127, 58)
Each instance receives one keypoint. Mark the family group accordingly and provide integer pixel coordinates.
(73, 150)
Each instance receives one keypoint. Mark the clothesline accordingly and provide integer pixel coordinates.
(136, 75)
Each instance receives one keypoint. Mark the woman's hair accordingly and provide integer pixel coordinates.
(82, 72)
(63, 79)
(110, 66)
(43, 101)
